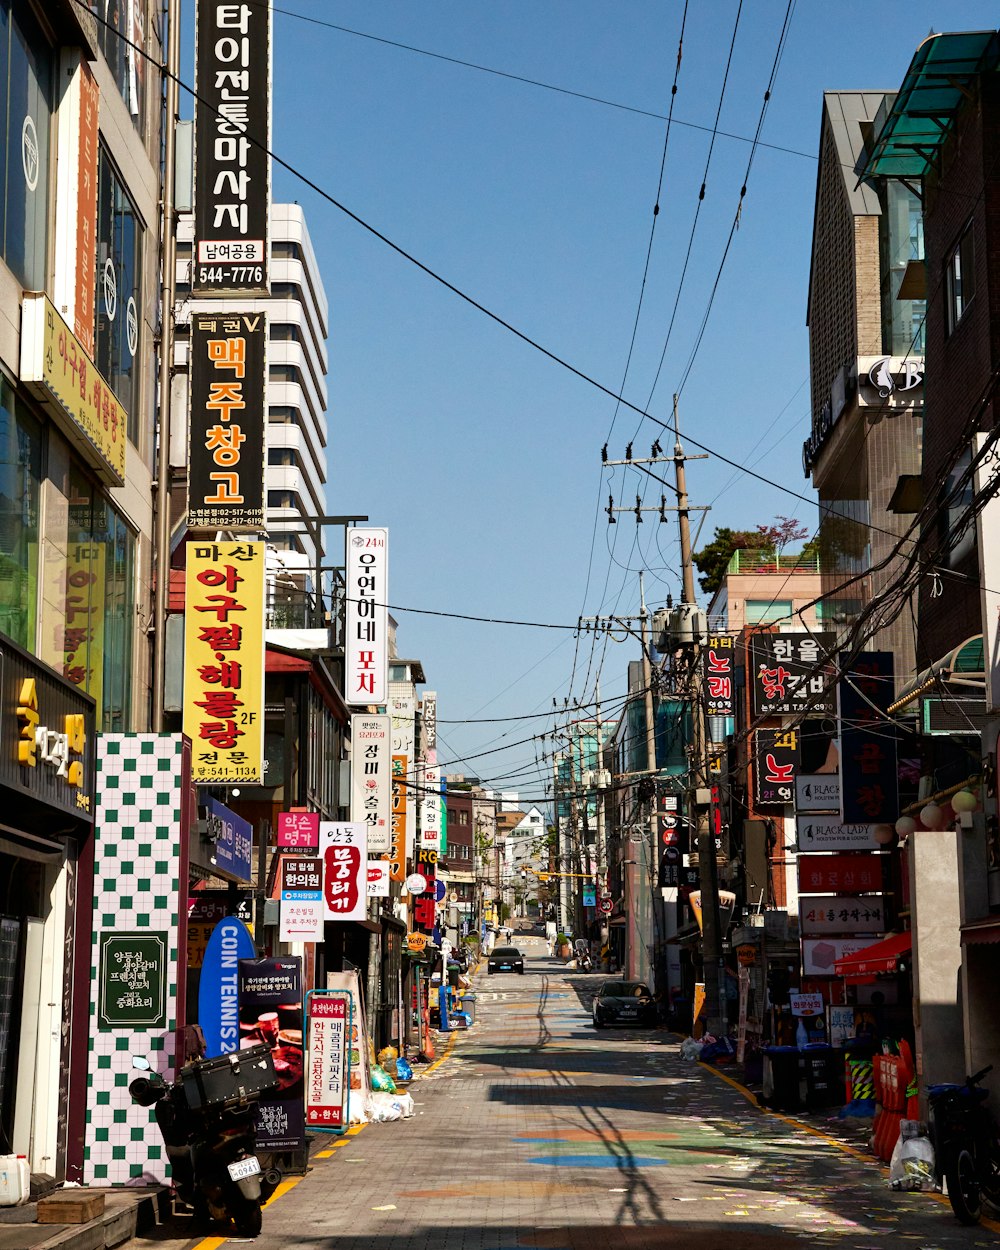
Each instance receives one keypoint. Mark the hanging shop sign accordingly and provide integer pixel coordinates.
(791, 674)
(84, 590)
(232, 841)
(76, 195)
(430, 807)
(343, 850)
(378, 879)
(271, 1013)
(670, 822)
(328, 1077)
(298, 831)
(424, 905)
(232, 143)
(204, 913)
(61, 375)
(820, 954)
(805, 1006)
(219, 986)
(224, 661)
(775, 763)
(590, 896)
(890, 384)
(366, 641)
(720, 675)
(417, 942)
(397, 850)
(227, 421)
(300, 909)
(47, 735)
(428, 721)
(858, 872)
(830, 913)
(869, 787)
(817, 792)
(371, 778)
(132, 981)
(830, 833)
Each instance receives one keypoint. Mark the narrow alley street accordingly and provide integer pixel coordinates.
(535, 1130)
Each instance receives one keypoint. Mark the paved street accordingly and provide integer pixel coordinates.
(537, 1131)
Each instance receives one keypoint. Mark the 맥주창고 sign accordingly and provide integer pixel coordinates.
(227, 421)
(327, 1062)
(791, 673)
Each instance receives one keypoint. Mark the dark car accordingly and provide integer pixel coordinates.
(505, 959)
(623, 1002)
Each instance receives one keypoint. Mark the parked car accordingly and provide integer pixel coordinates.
(623, 1002)
(505, 959)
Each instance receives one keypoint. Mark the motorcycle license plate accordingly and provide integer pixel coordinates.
(243, 1168)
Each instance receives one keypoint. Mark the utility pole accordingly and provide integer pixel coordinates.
(708, 878)
(600, 875)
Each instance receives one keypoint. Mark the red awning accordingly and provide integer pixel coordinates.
(879, 957)
(979, 932)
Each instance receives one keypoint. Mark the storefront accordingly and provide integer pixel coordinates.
(47, 736)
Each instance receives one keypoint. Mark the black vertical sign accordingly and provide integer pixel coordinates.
(232, 138)
(227, 421)
(270, 996)
(775, 763)
(869, 784)
(720, 675)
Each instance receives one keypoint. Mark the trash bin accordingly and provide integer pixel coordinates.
(469, 1006)
(824, 1077)
(781, 1078)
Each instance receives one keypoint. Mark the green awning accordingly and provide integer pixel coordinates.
(934, 89)
(962, 666)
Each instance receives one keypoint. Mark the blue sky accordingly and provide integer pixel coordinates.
(481, 455)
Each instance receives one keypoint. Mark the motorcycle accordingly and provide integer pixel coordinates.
(206, 1119)
(966, 1146)
(584, 960)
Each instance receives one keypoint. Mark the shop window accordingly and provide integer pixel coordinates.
(118, 315)
(959, 280)
(765, 611)
(20, 487)
(27, 71)
(121, 33)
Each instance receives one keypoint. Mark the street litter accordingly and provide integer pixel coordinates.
(384, 1106)
(912, 1164)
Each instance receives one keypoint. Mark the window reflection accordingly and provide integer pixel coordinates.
(118, 312)
(20, 479)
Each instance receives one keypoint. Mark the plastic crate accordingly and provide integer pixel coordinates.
(234, 1080)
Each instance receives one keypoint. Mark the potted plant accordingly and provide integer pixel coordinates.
(562, 946)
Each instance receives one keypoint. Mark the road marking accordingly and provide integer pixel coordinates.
(438, 1062)
(993, 1225)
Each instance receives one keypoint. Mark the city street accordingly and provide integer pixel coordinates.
(535, 1130)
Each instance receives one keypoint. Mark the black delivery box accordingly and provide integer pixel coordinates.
(234, 1080)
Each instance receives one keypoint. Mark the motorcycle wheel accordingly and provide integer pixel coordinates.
(963, 1187)
(248, 1219)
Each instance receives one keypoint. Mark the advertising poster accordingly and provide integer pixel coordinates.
(270, 1007)
(224, 661)
(328, 1063)
(344, 853)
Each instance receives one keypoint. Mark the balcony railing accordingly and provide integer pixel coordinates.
(760, 560)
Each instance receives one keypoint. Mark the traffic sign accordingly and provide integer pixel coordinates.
(605, 906)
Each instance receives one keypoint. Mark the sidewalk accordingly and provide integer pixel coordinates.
(126, 1213)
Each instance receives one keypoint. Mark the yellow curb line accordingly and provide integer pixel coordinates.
(992, 1225)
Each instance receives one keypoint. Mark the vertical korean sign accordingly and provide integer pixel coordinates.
(224, 661)
(402, 709)
(869, 785)
(227, 421)
(366, 645)
(720, 675)
(343, 850)
(775, 764)
(327, 1076)
(232, 138)
(430, 807)
(300, 914)
(371, 779)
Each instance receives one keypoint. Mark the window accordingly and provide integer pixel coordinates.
(901, 242)
(959, 280)
(121, 32)
(27, 67)
(118, 294)
(20, 485)
(281, 456)
(282, 332)
(764, 611)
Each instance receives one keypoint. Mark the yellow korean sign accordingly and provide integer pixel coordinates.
(224, 661)
(57, 370)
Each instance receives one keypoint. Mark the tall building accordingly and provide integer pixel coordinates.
(866, 347)
(297, 363)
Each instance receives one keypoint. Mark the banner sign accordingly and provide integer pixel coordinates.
(233, 840)
(430, 807)
(857, 873)
(429, 722)
(720, 675)
(224, 661)
(775, 761)
(378, 878)
(424, 905)
(820, 954)
(366, 640)
(232, 140)
(402, 709)
(300, 914)
(271, 1012)
(371, 779)
(218, 987)
(328, 1062)
(829, 913)
(829, 833)
(817, 792)
(790, 674)
(227, 421)
(344, 853)
(868, 771)
(298, 831)
(397, 851)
